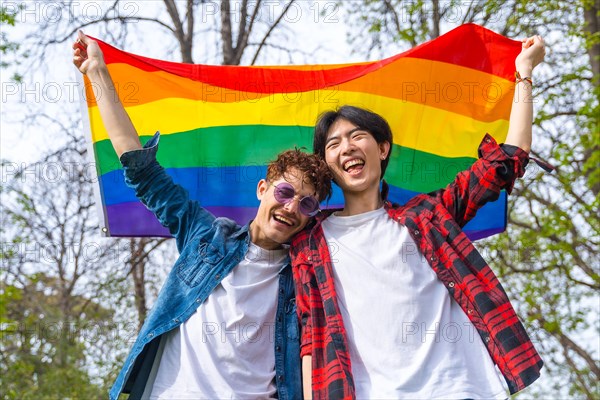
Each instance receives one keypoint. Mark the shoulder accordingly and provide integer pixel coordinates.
(302, 238)
(228, 225)
(419, 201)
(223, 228)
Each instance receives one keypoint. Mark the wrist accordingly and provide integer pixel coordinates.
(96, 71)
(519, 78)
(524, 70)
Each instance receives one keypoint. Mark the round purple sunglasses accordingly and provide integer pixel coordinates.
(285, 192)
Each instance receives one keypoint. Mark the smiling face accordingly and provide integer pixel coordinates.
(277, 223)
(354, 157)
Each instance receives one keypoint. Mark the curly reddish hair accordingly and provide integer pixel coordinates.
(314, 170)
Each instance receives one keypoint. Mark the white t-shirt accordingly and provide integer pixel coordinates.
(226, 349)
(408, 339)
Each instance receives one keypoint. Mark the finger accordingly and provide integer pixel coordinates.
(79, 53)
(78, 61)
(530, 42)
(79, 46)
(82, 39)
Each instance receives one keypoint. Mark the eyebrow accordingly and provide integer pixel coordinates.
(350, 132)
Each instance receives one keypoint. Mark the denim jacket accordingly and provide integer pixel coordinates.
(209, 249)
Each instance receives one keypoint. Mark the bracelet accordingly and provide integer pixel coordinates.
(519, 79)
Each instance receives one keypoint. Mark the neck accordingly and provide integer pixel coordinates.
(361, 202)
(260, 240)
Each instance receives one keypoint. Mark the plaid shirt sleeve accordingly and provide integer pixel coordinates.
(305, 282)
(497, 168)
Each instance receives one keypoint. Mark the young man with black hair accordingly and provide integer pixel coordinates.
(378, 285)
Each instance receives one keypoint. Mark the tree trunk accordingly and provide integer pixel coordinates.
(435, 32)
(137, 264)
(591, 26)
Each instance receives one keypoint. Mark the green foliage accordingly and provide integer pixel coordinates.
(56, 301)
(44, 348)
(8, 18)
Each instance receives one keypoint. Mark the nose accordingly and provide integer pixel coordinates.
(292, 205)
(346, 146)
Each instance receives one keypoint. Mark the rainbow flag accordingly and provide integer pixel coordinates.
(220, 125)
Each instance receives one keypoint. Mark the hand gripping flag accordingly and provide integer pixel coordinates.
(221, 125)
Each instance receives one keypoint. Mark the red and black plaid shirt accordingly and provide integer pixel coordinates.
(434, 221)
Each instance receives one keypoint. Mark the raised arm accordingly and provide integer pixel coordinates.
(521, 115)
(498, 166)
(88, 58)
(171, 204)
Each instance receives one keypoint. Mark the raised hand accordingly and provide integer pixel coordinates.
(88, 58)
(532, 53)
(87, 55)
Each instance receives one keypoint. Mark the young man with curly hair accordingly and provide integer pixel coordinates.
(224, 324)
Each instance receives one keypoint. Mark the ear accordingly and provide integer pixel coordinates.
(384, 150)
(261, 188)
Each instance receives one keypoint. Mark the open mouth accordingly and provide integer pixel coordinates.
(283, 220)
(353, 165)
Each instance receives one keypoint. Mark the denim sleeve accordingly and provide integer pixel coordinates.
(169, 201)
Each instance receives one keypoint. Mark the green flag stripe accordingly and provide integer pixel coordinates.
(247, 145)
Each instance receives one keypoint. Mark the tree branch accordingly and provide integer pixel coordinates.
(271, 28)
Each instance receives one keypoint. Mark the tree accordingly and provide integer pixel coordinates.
(547, 259)
(42, 357)
(56, 286)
